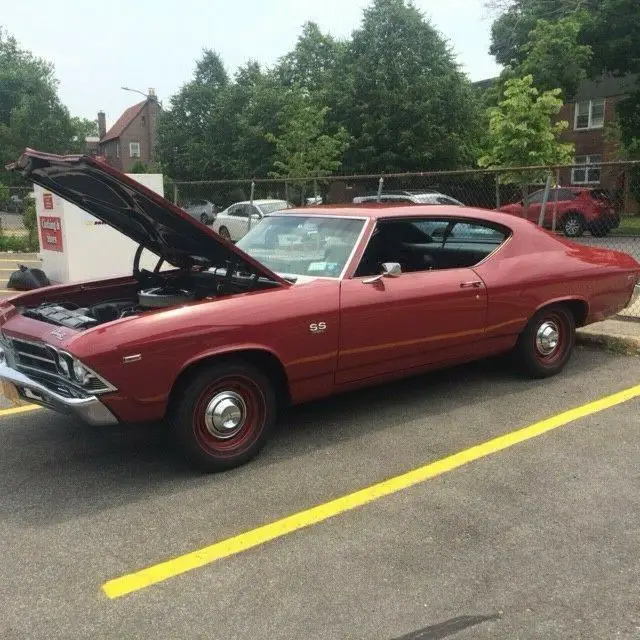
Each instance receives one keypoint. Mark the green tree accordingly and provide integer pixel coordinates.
(313, 64)
(31, 114)
(82, 129)
(610, 29)
(189, 131)
(554, 55)
(405, 102)
(522, 132)
(303, 148)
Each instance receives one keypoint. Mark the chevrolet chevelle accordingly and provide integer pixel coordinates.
(309, 303)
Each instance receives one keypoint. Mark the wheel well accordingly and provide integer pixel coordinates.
(263, 360)
(578, 308)
(578, 214)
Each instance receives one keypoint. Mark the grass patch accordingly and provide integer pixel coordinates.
(629, 226)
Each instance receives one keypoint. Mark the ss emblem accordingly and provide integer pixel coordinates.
(317, 327)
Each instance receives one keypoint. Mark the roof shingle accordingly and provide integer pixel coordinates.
(123, 121)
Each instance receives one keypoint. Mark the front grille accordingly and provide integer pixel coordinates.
(39, 361)
(32, 356)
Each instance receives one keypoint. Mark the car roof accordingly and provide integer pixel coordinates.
(263, 201)
(381, 211)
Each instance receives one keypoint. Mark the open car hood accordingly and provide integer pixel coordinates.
(139, 213)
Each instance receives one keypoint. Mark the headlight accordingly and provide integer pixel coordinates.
(80, 372)
(77, 372)
(63, 365)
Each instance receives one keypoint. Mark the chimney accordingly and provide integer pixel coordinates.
(102, 125)
(152, 93)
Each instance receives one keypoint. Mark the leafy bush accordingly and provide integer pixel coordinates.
(17, 243)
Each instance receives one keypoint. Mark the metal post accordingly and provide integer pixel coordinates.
(497, 191)
(253, 190)
(545, 198)
(315, 191)
(175, 193)
(555, 202)
(380, 186)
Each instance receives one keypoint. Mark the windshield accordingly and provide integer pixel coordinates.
(303, 245)
(271, 207)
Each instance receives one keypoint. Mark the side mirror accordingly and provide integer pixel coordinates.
(389, 270)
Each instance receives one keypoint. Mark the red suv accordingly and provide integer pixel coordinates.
(579, 209)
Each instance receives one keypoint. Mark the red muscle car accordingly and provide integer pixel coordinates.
(308, 304)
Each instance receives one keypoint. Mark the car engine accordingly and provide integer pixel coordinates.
(72, 316)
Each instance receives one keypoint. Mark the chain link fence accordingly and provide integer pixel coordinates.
(17, 220)
(597, 205)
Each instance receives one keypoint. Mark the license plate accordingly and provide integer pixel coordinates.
(9, 391)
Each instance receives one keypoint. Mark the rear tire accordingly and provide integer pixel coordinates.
(573, 225)
(204, 218)
(545, 346)
(223, 415)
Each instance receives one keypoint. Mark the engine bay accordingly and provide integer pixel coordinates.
(155, 290)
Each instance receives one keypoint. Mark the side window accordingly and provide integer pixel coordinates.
(536, 197)
(474, 233)
(563, 194)
(429, 245)
(239, 211)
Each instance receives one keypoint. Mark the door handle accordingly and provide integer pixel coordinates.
(474, 284)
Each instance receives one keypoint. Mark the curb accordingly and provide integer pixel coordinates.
(623, 345)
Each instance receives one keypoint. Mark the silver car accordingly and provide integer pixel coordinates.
(415, 197)
(236, 220)
(203, 210)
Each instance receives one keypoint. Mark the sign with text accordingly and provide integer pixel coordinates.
(51, 233)
(47, 199)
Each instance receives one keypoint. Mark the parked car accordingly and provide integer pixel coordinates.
(236, 220)
(580, 209)
(416, 197)
(203, 210)
(307, 304)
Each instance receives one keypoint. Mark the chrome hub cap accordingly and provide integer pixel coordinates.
(225, 414)
(547, 338)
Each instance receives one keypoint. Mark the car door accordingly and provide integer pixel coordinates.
(238, 221)
(423, 317)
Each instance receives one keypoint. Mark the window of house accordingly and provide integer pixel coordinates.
(143, 119)
(589, 114)
(134, 149)
(117, 149)
(589, 173)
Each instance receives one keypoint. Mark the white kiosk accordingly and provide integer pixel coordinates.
(76, 246)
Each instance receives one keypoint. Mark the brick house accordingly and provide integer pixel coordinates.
(590, 116)
(133, 136)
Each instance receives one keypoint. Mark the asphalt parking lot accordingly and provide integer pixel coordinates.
(539, 540)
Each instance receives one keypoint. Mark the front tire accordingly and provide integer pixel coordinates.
(546, 344)
(224, 232)
(204, 218)
(223, 415)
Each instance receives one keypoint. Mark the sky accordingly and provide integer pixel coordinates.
(99, 47)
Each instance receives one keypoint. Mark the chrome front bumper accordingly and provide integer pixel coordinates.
(89, 409)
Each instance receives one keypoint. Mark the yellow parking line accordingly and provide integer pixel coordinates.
(154, 574)
(22, 409)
